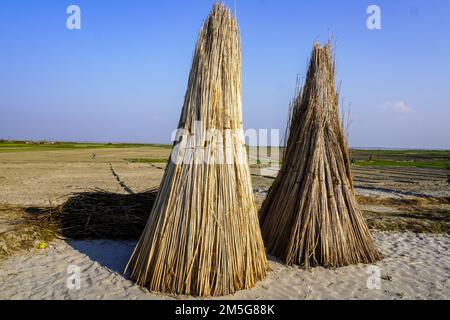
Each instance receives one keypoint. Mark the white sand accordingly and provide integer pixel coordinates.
(415, 267)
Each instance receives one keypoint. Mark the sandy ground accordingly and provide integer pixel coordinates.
(48, 178)
(414, 267)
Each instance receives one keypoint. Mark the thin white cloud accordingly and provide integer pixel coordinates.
(397, 106)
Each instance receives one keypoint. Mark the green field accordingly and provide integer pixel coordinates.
(434, 159)
(418, 164)
(19, 146)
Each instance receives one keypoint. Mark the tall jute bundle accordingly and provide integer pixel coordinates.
(203, 236)
(310, 216)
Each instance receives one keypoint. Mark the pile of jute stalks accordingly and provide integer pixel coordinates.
(97, 214)
(310, 216)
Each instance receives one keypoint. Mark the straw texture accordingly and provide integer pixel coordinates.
(310, 216)
(203, 236)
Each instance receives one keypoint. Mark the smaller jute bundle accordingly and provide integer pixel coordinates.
(310, 216)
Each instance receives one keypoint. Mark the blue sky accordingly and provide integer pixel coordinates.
(123, 76)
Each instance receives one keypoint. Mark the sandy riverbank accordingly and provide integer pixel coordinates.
(416, 266)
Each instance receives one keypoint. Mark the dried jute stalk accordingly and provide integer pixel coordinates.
(203, 236)
(310, 216)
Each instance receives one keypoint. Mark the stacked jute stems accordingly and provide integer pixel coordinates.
(203, 236)
(310, 216)
(98, 214)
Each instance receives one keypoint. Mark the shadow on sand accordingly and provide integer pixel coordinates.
(112, 254)
(103, 225)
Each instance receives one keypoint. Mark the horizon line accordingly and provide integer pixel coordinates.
(2, 140)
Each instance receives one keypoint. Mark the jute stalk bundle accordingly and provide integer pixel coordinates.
(310, 216)
(203, 236)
